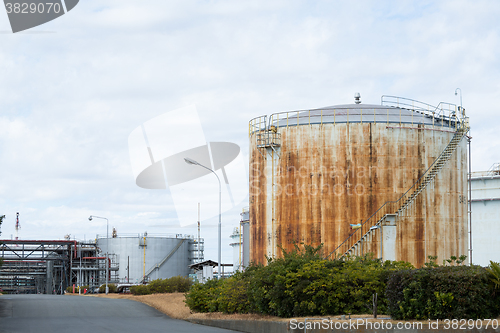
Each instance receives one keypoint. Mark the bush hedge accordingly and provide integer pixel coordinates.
(463, 292)
(301, 283)
(111, 288)
(302, 286)
(170, 285)
(205, 297)
(69, 289)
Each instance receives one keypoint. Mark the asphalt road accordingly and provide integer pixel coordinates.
(73, 314)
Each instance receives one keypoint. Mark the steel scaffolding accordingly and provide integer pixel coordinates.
(50, 266)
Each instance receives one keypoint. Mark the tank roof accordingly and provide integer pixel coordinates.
(392, 110)
(359, 113)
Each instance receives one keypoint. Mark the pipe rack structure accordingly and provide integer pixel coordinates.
(36, 266)
(50, 266)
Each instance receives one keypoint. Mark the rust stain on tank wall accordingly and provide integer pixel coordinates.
(330, 176)
(258, 195)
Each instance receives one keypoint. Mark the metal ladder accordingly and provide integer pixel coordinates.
(405, 200)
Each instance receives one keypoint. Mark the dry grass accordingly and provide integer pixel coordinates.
(173, 306)
(170, 304)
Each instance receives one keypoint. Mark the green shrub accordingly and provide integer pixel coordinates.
(180, 284)
(267, 285)
(155, 286)
(494, 273)
(307, 285)
(140, 290)
(329, 287)
(204, 297)
(226, 295)
(441, 293)
(233, 295)
(170, 285)
(301, 283)
(111, 288)
(69, 289)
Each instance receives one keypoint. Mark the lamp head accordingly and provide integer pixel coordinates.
(90, 218)
(190, 161)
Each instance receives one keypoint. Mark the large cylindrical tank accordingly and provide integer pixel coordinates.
(157, 257)
(485, 204)
(316, 175)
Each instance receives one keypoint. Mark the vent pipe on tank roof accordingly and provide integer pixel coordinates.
(357, 98)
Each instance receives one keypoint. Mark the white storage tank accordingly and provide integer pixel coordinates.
(152, 256)
(486, 216)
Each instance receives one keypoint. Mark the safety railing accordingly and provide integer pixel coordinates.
(268, 139)
(399, 111)
(444, 110)
(494, 170)
(149, 235)
(390, 115)
(257, 124)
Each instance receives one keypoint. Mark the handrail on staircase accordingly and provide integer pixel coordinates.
(462, 129)
(159, 264)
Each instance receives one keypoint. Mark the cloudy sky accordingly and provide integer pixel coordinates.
(72, 91)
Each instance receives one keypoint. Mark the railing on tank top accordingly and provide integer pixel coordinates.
(257, 124)
(445, 114)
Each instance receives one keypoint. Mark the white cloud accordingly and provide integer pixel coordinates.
(70, 99)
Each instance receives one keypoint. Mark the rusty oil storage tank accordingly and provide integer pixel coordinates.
(389, 179)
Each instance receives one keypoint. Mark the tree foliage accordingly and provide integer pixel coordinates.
(301, 283)
(494, 273)
(169, 285)
(111, 288)
(441, 292)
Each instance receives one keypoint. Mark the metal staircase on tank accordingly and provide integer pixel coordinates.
(403, 202)
(164, 260)
(436, 167)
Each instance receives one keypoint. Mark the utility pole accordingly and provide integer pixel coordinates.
(18, 226)
(199, 239)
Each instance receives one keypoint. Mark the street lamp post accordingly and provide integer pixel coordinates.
(470, 182)
(107, 248)
(193, 162)
(461, 107)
